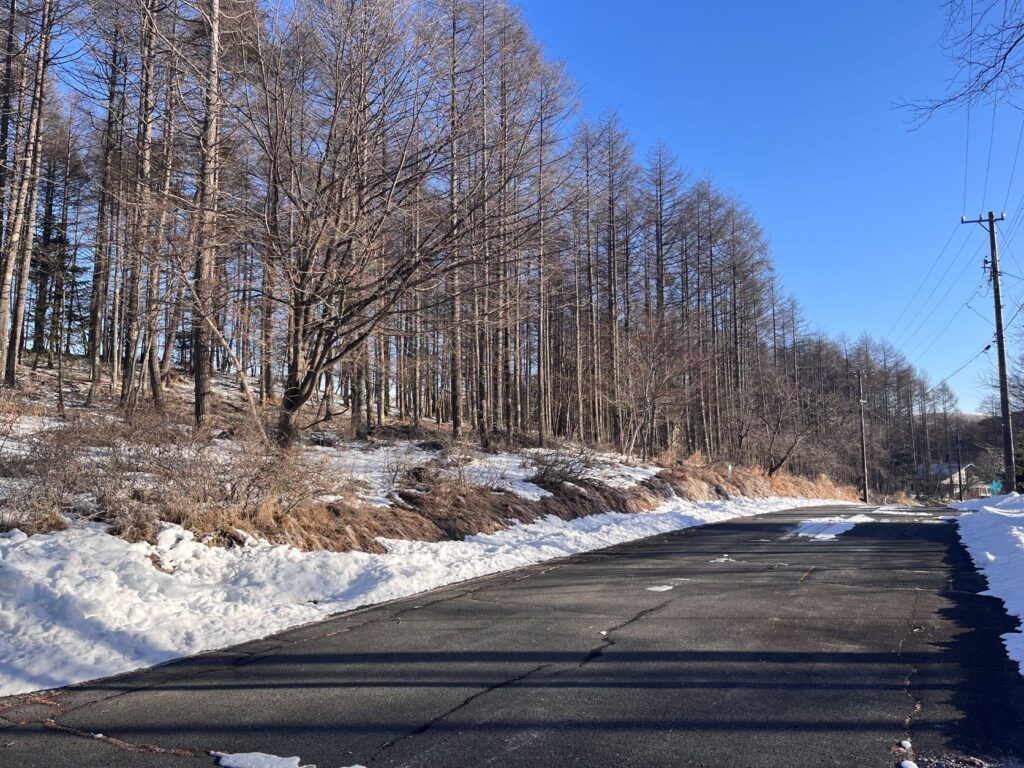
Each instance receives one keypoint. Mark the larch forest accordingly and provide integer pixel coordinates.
(371, 210)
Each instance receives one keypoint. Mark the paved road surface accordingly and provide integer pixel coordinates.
(769, 650)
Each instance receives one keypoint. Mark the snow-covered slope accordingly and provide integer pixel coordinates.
(81, 604)
(994, 535)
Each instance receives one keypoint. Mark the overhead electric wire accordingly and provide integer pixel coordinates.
(954, 373)
(921, 285)
(1013, 166)
(1020, 306)
(970, 77)
(903, 337)
(983, 317)
(931, 340)
(967, 156)
(924, 321)
(988, 163)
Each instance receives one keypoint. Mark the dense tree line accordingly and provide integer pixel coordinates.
(391, 209)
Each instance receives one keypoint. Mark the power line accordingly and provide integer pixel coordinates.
(970, 77)
(931, 341)
(967, 154)
(1013, 167)
(954, 373)
(903, 337)
(986, 319)
(1020, 306)
(931, 269)
(991, 141)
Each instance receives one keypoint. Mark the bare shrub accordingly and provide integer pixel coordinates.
(44, 481)
(556, 467)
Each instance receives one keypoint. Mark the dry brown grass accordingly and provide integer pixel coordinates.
(135, 474)
(136, 470)
(697, 480)
(459, 509)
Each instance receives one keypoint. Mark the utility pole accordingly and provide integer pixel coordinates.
(959, 466)
(1009, 462)
(863, 437)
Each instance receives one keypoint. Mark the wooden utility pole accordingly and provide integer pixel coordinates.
(1009, 461)
(863, 437)
(959, 466)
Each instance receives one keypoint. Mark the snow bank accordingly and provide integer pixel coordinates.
(827, 528)
(81, 604)
(994, 535)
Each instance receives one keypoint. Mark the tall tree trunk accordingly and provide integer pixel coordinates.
(23, 227)
(207, 216)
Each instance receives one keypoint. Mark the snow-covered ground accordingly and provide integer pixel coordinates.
(81, 604)
(994, 535)
(373, 471)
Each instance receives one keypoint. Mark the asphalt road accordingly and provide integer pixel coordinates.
(769, 650)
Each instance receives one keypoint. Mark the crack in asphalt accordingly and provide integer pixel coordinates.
(245, 658)
(461, 705)
(242, 659)
(608, 641)
(127, 746)
(590, 656)
(917, 705)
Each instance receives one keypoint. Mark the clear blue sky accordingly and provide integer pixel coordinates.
(790, 106)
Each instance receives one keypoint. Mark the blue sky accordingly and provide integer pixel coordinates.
(790, 106)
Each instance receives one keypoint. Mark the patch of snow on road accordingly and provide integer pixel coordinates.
(994, 535)
(81, 604)
(660, 588)
(257, 760)
(899, 512)
(827, 528)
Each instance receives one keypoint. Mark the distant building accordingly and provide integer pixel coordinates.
(946, 479)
